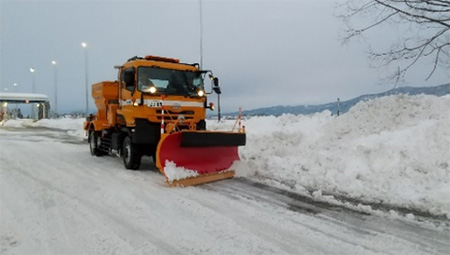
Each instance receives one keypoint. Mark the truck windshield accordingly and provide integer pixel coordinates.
(169, 82)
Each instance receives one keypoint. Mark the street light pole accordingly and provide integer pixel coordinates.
(15, 91)
(33, 89)
(84, 45)
(201, 34)
(55, 71)
(33, 80)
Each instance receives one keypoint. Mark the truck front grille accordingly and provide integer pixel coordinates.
(170, 115)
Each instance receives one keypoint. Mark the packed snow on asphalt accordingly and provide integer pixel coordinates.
(375, 180)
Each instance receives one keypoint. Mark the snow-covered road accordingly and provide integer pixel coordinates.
(55, 198)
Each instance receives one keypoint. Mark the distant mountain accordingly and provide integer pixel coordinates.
(344, 105)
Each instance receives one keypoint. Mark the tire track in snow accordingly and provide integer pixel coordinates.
(26, 176)
(95, 214)
(411, 234)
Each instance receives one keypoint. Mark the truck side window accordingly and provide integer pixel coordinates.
(128, 79)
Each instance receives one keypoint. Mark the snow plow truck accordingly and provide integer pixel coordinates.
(157, 108)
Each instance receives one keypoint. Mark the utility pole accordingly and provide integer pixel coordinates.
(56, 87)
(218, 108)
(201, 34)
(33, 90)
(84, 45)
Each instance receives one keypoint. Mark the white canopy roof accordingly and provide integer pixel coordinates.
(22, 97)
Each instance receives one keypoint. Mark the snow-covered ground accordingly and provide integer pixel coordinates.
(393, 150)
(57, 199)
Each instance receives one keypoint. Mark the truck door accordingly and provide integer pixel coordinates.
(127, 86)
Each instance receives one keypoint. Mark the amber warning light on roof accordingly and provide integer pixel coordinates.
(164, 59)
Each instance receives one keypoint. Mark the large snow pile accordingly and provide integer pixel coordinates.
(393, 150)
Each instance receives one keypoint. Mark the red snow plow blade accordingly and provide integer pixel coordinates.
(206, 156)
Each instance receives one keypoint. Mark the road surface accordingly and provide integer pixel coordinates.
(57, 199)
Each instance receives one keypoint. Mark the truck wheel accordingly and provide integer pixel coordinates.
(94, 142)
(130, 154)
(154, 157)
(201, 125)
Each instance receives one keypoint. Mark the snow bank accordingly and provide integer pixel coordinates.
(17, 123)
(63, 123)
(393, 150)
(72, 126)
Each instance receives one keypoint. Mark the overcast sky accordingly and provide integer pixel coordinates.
(264, 52)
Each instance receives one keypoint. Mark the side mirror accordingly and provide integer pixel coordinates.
(216, 86)
(217, 90)
(211, 106)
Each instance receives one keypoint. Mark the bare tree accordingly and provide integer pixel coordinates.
(426, 35)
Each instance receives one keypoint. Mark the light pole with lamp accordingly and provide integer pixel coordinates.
(84, 45)
(15, 91)
(33, 88)
(55, 74)
(33, 80)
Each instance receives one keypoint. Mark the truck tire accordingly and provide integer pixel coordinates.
(94, 142)
(201, 125)
(130, 154)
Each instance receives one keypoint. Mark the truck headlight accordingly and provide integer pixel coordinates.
(200, 93)
(152, 89)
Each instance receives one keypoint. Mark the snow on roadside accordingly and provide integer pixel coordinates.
(63, 123)
(17, 123)
(73, 127)
(394, 150)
